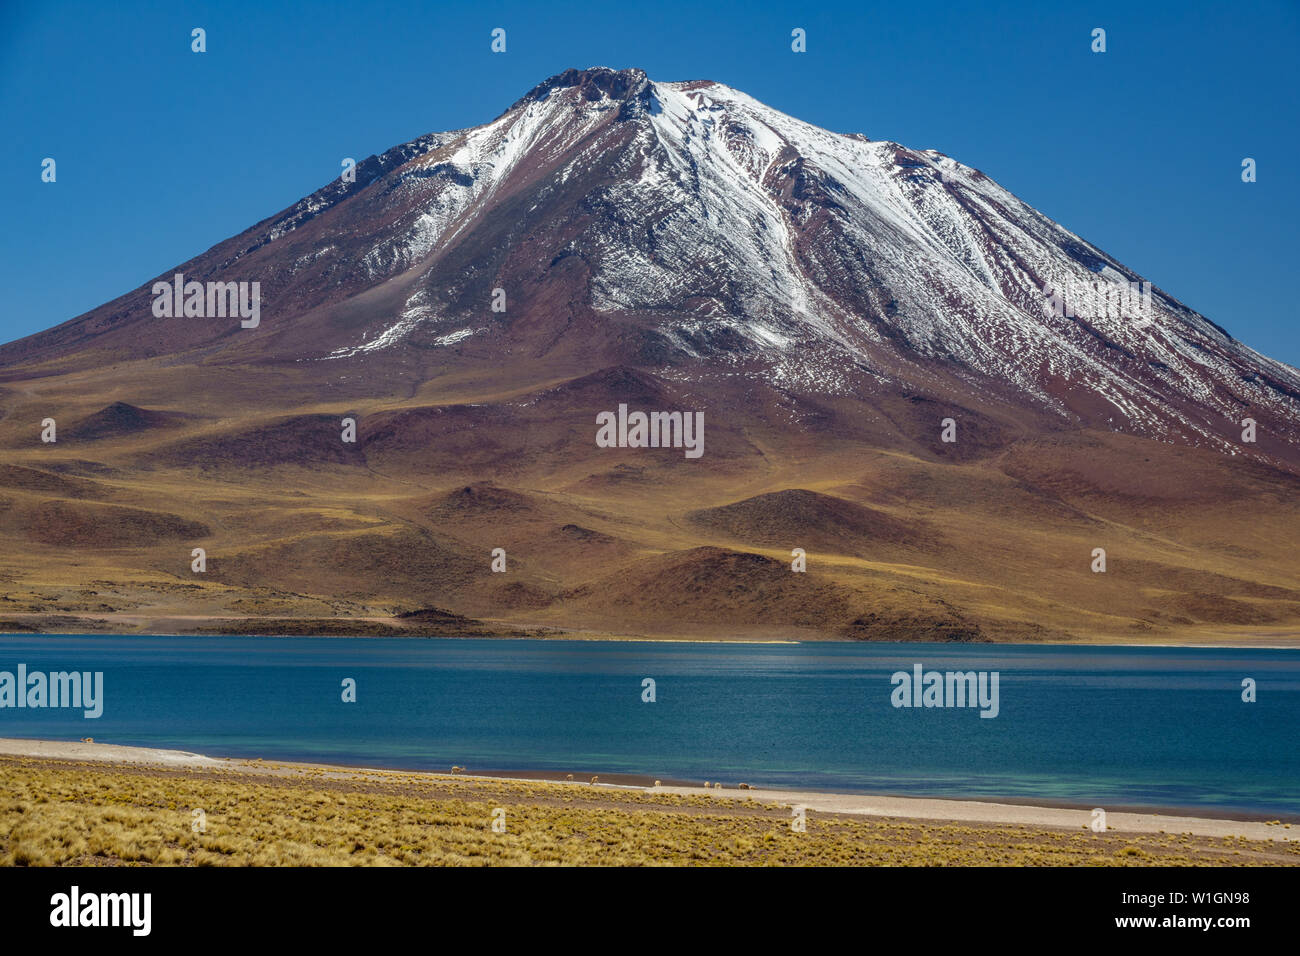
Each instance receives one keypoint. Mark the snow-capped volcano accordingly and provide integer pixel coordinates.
(438, 340)
(689, 229)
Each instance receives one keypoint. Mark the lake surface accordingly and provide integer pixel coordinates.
(1098, 726)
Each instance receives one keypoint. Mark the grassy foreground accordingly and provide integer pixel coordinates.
(69, 813)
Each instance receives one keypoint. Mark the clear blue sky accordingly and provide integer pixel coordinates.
(162, 152)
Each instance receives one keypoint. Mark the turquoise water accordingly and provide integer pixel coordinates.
(1097, 726)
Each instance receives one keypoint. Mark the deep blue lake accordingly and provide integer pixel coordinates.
(1101, 726)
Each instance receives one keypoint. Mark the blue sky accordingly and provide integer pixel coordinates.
(162, 152)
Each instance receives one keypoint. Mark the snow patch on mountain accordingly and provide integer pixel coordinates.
(761, 242)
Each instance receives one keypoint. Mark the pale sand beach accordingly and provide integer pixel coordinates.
(849, 804)
(80, 750)
(27, 624)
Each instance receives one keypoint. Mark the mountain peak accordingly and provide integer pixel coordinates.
(593, 83)
(689, 227)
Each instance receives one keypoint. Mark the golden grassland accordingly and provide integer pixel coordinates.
(903, 542)
(59, 813)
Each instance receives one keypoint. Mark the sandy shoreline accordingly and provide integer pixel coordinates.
(1283, 641)
(853, 804)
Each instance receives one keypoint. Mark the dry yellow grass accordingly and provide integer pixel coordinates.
(1200, 550)
(65, 813)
